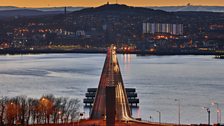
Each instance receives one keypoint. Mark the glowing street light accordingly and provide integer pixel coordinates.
(115, 48)
(218, 110)
(219, 113)
(59, 114)
(159, 116)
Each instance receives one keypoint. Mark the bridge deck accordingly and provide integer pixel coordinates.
(111, 76)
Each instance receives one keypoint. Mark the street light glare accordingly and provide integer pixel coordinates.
(43, 99)
(214, 103)
(218, 110)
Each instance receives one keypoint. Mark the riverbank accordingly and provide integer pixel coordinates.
(98, 51)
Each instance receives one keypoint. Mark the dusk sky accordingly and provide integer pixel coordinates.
(90, 3)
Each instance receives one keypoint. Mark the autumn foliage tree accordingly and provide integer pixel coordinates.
(48, 109)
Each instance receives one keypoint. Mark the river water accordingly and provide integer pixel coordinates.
(195, 80)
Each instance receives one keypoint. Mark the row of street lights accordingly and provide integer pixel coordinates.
(218, 110)
(206, 108)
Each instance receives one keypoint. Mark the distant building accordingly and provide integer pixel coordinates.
(104, 27)
(80, 33)
(216, 27)
(152, 28)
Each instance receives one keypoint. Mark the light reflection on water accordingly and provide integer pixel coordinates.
(195, 80)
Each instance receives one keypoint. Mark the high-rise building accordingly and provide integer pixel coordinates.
(152, 28)
(144, 27)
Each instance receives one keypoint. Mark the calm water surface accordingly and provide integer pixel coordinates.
(195, 80)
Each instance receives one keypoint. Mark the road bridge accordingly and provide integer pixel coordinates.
(111, 76)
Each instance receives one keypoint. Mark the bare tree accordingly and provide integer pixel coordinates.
(74, 109)
(59, 109)
(71, 109)
(3, 102)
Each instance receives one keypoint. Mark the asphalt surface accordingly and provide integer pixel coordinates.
(111, 76)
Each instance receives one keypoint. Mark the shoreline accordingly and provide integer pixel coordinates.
(104, 51)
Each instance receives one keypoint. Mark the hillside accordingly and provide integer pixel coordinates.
(26, 13)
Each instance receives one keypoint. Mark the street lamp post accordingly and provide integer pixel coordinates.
(218, 110)
(80, 117)
(220, 114)
(59, 114)
(159, 116)
(178, 100)
(151, 119)
(78, 120)
(208, 110)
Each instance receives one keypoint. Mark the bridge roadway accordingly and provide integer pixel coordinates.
(111, 76)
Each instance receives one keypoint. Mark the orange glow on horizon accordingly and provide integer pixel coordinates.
(93, 3)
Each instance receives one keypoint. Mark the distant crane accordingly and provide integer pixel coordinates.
(65, 10)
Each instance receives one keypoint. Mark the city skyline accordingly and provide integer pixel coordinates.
(93, 3)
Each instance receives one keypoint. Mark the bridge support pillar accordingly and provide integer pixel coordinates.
(110, 105)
